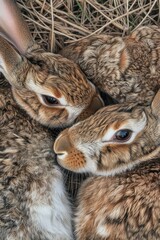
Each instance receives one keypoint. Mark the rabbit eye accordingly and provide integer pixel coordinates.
(50, 100)
(123, 135)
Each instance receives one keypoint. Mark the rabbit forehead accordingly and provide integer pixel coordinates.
(65, 91)
(46, 90)
(135, 125)
(61, 69)
(99, 126)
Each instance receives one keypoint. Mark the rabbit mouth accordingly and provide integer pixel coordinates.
(73, 163)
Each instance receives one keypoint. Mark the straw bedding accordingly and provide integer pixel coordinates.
(55, 23)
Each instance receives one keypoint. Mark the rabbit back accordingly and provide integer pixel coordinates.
(126, 68)
(33, 201)
(123, 207)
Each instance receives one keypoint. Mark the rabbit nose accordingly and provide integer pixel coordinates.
(96, 104)
(62, 144)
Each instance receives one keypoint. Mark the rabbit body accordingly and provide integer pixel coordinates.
(123, 207)
(126, 68)
(120, 147)
(33, 201)
(50, 88)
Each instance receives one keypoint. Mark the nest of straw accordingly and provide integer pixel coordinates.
(55, 23)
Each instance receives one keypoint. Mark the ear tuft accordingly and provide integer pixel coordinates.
(155, 105)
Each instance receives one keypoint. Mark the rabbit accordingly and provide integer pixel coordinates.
(49, 87)
(128, 68)
(33, 200)
(120, 147)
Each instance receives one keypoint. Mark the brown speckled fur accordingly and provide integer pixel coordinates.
(49, 72)
(125, 206)
(83, 141)
(27, 172)
(121, 200)
(128, 69)
(32, 73)
(56, 75)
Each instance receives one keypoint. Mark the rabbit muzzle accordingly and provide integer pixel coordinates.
(68, 156)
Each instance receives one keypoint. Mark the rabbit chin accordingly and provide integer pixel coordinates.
(77, 165)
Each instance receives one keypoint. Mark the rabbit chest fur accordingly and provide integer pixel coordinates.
(33, 201)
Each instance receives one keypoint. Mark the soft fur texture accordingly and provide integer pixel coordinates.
(121, 207)
(128, 69)
(121, 200)
(33, 201)
(34, 74)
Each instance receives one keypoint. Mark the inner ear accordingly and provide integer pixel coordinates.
(14, 28)
(155, 105)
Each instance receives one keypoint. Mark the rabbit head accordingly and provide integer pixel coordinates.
(111, 139)
(52, 89)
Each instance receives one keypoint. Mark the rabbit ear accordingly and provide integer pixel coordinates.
(12, 64)
(14, 28)
(155, 106)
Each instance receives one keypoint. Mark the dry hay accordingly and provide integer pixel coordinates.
(58, 22)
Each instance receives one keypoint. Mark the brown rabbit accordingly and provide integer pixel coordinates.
(126, 68)
(120, 146)
(49, 87)
(33, 201)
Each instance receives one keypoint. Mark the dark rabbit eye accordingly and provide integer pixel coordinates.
(50, 100)
(123, 135)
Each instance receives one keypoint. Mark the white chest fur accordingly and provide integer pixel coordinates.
(50, 210)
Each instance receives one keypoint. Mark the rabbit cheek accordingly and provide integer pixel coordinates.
(48, 116)
(28, 101)
(53, 116)
(113, 156)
